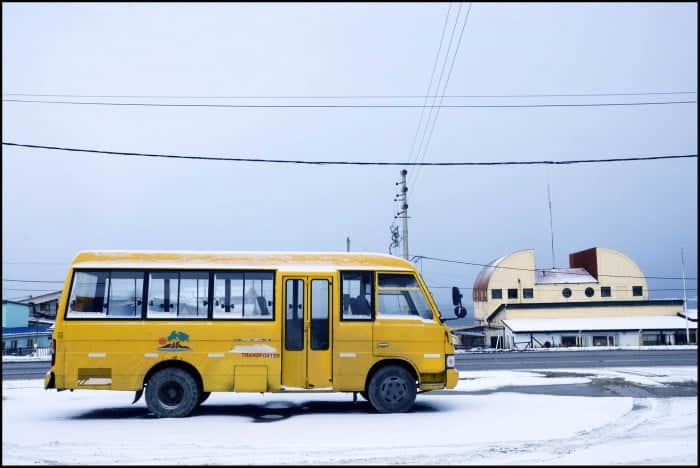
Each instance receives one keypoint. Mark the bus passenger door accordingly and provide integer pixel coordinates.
(306, 352)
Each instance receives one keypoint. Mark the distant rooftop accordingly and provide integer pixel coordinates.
(25, 330)
(665, 322)
(692, 314)
(563, 276)
(42, 298)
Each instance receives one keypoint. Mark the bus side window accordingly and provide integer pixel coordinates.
(89, 294)
(125, 293)
(357, 287)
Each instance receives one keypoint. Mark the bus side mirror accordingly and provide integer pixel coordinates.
(460, 310)
(456, 296)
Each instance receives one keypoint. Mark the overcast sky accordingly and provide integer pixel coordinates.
(57, 203)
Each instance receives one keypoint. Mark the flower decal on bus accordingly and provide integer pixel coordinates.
(174, 342)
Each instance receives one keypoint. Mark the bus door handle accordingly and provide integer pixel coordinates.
(383, 344)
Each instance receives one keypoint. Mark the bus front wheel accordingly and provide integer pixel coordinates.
(392, 389)
(172, 393)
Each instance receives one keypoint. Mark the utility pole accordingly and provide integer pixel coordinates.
(347, 244)
(403, 213)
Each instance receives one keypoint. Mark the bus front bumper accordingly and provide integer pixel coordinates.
(452, 378)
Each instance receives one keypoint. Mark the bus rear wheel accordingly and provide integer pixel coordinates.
(392, 389)
(172, 393)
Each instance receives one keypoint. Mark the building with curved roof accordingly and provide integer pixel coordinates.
(512, 299)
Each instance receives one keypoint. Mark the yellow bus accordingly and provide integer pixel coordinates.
(180, 325)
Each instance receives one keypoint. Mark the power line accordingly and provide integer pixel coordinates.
(347, 106)
(34, 263)
(430, 83)
(444, 89)
(456, 96)
(437, 90)
(415, 257)
(354, 163)
(32, 281)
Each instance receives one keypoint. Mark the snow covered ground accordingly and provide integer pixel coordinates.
(579, 348)
(476, 423)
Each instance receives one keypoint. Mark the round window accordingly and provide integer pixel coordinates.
(566, 292)
(589, 292)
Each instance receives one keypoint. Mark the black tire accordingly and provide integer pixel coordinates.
(203, 397)
(392, 389)
(364, 395)
(172, 393)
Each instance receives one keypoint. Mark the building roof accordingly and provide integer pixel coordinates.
(53, 296)
(692, 314)
(590, 305)
(4, 301)
(25, 330)
(484, 276)
(564, 276)
(662, 322)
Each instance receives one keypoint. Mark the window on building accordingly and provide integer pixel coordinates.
(566, 292)
(357, 293)
(637, 291)
(512, 293)
(680, 338)
(496, 294)
(653, 339)
(605, 291)
(589, 292)
(528, 293)
(603, 340)
(568, 341)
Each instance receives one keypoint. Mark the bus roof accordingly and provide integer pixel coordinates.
(285, 261)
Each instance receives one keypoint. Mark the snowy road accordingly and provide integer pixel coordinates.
(476, 424)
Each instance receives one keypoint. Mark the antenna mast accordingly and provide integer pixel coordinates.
(551, 230)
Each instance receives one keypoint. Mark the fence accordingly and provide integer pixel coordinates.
(27, 351)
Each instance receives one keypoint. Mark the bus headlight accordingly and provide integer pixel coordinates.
(450, 361)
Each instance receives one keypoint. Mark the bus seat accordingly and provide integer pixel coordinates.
(262, 304)
(360, 306)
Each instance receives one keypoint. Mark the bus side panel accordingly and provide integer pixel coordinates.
(352, 354)
(107, 354)
(415, 341)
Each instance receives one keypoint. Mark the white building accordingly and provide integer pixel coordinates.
(602, 299)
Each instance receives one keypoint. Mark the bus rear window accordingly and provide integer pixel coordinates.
(106, 294)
